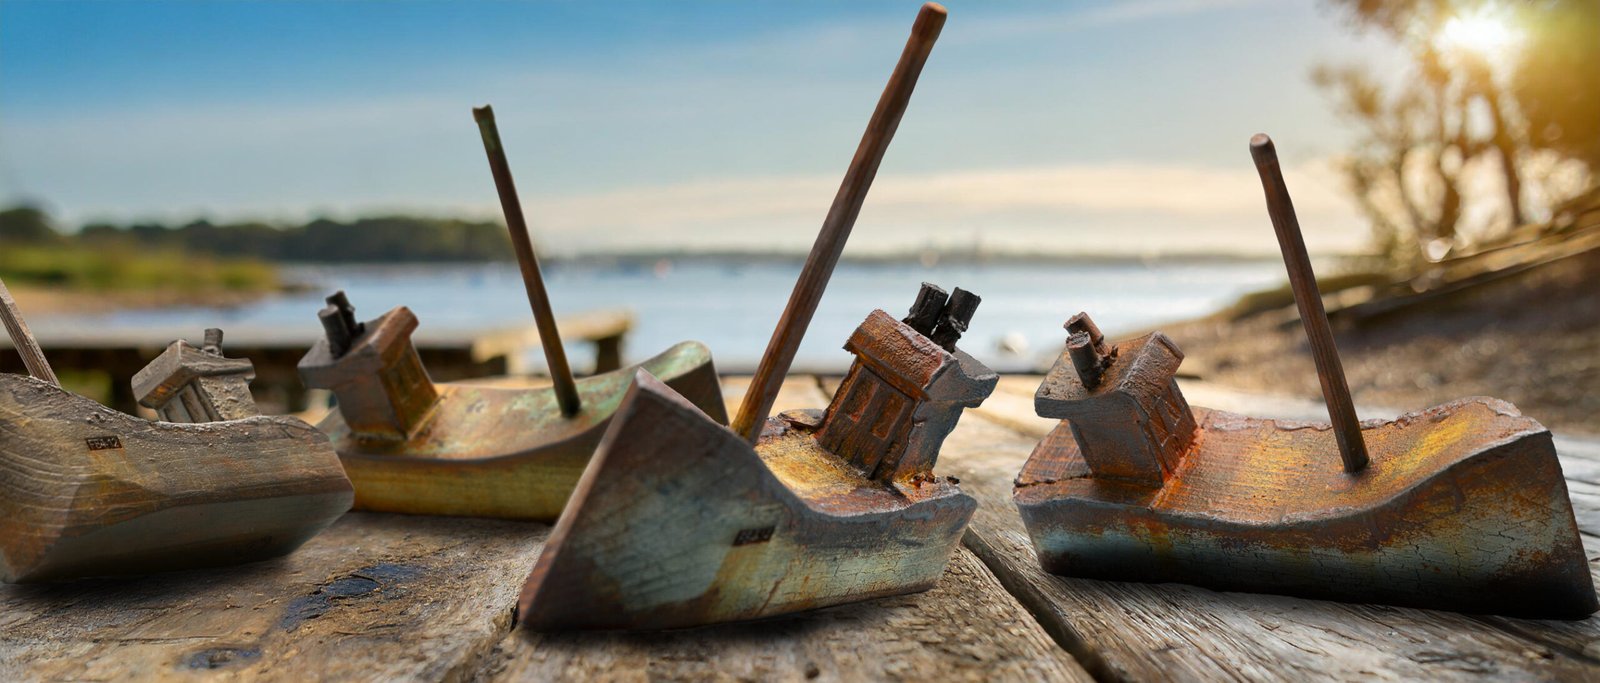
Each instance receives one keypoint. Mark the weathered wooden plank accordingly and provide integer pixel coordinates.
(381, 597)
(1169, 631)
(966, 628)
(376, 597)
(388, 597)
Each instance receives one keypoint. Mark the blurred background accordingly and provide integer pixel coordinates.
(171, 166)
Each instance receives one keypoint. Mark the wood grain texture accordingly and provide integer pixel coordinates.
(374, 598)
(361, 613)
(965, 629)
(1133, 631)
(89, 491)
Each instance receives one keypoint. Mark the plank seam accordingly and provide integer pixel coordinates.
(483, 661)
(1038, 606)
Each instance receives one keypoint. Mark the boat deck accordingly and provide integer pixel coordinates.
(390, 597)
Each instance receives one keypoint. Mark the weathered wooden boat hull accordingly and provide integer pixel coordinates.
(89, 491)
(506, 453)
(1463, 507)
(678, 523)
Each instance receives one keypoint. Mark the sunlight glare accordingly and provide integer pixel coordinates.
(1481, 33)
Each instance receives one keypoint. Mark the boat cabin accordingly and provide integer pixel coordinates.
(905, 390)
(186, 384)
(373, 369)
(1122, 401)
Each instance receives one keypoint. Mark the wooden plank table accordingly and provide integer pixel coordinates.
(390, 597)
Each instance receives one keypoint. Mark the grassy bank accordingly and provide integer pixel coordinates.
(78, 277)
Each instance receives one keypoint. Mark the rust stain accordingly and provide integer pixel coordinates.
(1462, 507)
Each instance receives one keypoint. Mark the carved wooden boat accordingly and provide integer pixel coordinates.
(417, 447)
(680, 521)
(88, 491)
(1461, 507)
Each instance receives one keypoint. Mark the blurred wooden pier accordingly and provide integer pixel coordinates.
(381, 597)
(449, 353)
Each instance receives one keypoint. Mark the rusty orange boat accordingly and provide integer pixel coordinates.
(1460, 507)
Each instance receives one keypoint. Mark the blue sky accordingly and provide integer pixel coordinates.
(1074, 126)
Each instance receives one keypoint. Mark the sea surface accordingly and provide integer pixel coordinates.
(733, 306)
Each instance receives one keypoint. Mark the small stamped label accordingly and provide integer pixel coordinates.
(748, 536)
(101, 443)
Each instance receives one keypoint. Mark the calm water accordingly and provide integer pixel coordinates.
(733, 307)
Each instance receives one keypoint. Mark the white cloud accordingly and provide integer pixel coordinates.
(1079, 208)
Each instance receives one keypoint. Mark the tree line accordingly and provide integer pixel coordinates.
(379, 239)
(1502, 90)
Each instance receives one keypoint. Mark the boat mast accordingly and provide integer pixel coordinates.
(1346, 426)
(539, 299)
(836, 227)
(22, 338)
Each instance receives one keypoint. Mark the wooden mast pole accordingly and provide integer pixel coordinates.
(22, 338)
(836, 227)
(538, 298)
(1342, 410)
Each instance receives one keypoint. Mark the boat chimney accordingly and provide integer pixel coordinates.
(1088, 350)
(373, 369)
(954, 318)
(925, 311)
(188, 384)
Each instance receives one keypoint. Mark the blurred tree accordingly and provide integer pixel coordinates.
(1420, 135)
(381, 239)
(1558, 84)
(26, 224)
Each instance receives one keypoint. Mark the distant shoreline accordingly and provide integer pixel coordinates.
(933, 256)
(928, 259)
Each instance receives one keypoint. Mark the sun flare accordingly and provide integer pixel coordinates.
(1481, 33)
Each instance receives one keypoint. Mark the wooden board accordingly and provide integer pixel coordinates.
(967, 628)
(388, 597)
(392, 597)
(376, 597)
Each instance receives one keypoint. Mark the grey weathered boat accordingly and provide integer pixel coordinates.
(681, 521)
(88, 491)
